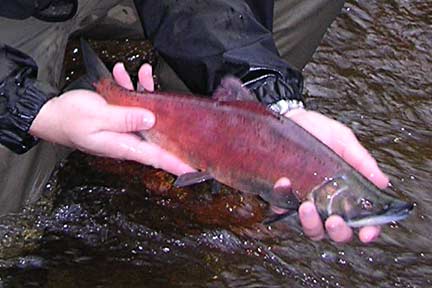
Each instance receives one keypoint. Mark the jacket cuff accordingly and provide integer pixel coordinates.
(31, 95)
(271, 86)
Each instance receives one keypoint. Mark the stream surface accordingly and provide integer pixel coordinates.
(106, 223)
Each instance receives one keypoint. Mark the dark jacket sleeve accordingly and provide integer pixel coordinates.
(205, 40)
(21, 98)
(45, 10)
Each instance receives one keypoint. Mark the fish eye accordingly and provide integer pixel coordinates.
(366, 204)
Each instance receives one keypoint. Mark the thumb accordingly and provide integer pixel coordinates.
(127, 119)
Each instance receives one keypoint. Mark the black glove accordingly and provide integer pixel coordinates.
(45, 10)
(205, 40)
(21, 98)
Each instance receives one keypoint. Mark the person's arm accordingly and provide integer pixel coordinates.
(78, 119)
(203, 41)
(83, 120)
(21, 94)
(45, 10)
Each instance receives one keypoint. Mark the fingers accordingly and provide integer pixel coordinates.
(280, 189)
(282, 183)
(130, 147)
(369, 234)
(341, 140)
(357, 156)
(126, 119)
(312, 225)
(311, 221)
(145, 78)
(122, 77)
(350, 149)
(338, 230)
(335, 226)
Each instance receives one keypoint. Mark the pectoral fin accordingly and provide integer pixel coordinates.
(283, 200)
(282, 197)
(192, 178)
(216, 187)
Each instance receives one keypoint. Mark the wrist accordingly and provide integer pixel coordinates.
(46, 124)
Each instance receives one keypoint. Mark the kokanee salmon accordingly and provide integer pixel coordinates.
(241, 144)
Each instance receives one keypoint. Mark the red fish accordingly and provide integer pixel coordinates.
(241, 144)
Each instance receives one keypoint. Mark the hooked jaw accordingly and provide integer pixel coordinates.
(358, 202)
(396, 211)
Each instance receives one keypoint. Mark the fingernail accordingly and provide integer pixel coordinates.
(307, 210)
(369, 238)
(149, 120)
(121, 65)
(334, 226)
(148, 70)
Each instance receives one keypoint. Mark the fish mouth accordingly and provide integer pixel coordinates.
(395, 212)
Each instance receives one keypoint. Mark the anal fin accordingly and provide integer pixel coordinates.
(276, 217)
(192, 178)
(216, 187)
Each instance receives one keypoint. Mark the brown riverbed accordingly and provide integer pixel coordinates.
(107, 223)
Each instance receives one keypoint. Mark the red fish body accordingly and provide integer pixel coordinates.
(239, 143)
(243, 145)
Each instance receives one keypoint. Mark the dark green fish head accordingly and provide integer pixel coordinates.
(358, 201)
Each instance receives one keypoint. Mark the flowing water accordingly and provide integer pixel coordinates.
(105, 223)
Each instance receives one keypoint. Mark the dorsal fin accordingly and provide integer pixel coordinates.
(95, 69)
(231, 92)
(231, 89)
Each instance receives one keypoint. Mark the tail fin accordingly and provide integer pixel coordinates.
(96, 69)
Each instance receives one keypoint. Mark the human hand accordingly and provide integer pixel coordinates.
(343, 141)
(83, 120)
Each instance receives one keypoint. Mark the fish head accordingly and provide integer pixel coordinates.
(358, 202)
